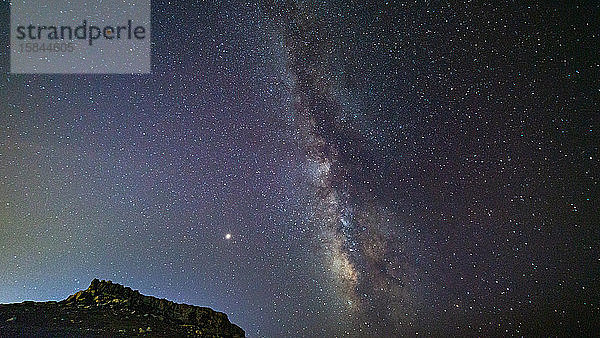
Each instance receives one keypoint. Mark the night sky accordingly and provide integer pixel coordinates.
(321, 169)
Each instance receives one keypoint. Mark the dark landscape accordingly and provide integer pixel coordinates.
(110, 309)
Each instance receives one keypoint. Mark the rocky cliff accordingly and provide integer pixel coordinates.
(110, 309)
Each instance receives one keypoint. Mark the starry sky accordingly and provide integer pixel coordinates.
(321, 168)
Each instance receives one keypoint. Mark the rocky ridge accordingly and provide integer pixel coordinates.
(107, 308)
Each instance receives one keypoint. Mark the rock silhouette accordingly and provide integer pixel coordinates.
(107, 308)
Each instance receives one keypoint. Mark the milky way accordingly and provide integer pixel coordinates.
(358, 237)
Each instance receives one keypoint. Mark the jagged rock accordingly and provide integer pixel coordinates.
(105, 308)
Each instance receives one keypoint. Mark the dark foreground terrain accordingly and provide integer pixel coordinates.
(108, 309)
